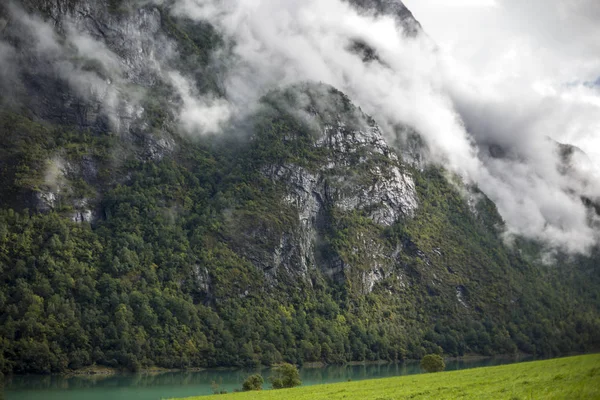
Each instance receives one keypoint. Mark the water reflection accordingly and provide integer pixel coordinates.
(123, 380)
(154, 386)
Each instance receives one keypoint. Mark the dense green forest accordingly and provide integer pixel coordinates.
(173, 264)
(158, 279)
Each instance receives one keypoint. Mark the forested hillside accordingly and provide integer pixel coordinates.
(298, 234)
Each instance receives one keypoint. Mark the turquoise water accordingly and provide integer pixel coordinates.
(183, 384)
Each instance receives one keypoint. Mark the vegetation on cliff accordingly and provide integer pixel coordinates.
(160, 277)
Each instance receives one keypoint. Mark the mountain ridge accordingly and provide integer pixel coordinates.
(297, 234)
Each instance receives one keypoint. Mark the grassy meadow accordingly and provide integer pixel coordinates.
(562, 378)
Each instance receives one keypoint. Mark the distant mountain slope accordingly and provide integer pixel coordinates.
(298, 234)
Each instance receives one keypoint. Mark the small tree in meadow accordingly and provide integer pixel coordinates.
(285, 376)
(433, 363)
(253, 382)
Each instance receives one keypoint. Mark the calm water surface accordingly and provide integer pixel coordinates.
(182, 384)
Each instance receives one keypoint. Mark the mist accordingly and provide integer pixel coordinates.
(491, 93)
(414, 81)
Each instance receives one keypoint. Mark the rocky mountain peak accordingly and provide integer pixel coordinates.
(351, 173)
(394, 8)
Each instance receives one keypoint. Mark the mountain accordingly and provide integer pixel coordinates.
(296, 233)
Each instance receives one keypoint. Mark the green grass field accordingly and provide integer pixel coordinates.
(563, 378)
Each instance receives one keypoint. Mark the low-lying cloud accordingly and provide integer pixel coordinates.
(204, 114)
(493, 116)
(493, 130)
(86, 65)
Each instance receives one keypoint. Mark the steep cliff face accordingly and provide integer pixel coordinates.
(78, 61)
(112, 68)
(88, 66)
(354, 171)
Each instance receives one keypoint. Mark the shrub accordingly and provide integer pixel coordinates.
(285, 376)
(253, 382)
(433, 363)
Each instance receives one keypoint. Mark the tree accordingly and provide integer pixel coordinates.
(253, 382)
(285, 376)
(433, 363)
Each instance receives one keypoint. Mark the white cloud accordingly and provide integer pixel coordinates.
(199, 114)
(510, 72)
(64, 58)
(506, 93)
(460, 3)
(497, 78)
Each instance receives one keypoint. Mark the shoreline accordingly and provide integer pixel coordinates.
(99, 370)
(103, 371)
(466, 357)
(561, 377)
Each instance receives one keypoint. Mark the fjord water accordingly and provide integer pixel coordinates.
(156, 386)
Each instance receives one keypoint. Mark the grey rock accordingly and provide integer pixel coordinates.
(394, 8)
(158, 148)
(85, 65)
(83, 211)
(361, 172)
(382, 188)
(44, 200)
(203, 279)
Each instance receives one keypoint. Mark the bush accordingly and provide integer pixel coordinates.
(433, 363)
(253, 382)
(285, 376)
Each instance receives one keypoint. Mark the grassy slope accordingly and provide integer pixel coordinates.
(562, 378)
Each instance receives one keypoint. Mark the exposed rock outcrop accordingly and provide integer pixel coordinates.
(394, 8)
(358, 173)
(86, 66)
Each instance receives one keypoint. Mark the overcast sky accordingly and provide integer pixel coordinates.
(543, 50)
